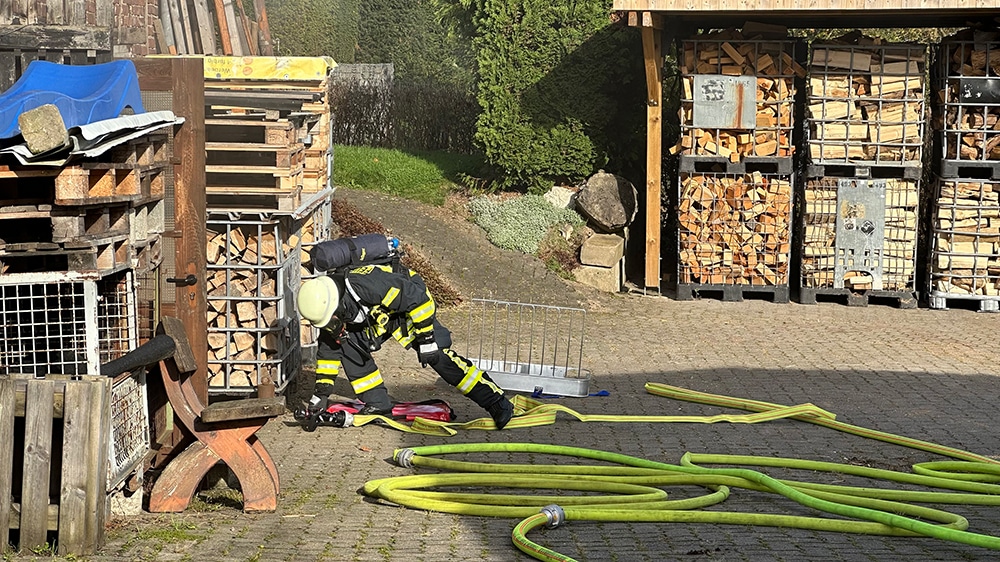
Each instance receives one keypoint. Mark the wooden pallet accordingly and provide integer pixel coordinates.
(941, 301)
(58, 429)
(47, 223)
(732, 293)
(900, 299)
(104, 256)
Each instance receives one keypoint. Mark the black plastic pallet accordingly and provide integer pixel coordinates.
(814, 295)
(691, 164)
(970, 169)
(940, 301)
(731, 293)
(864, 170)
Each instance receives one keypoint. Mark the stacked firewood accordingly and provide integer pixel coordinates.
(966, 257)
(899, 244)
(730, 53)
(246, 263)
(971, 118)
(866, 103)
(734, 229)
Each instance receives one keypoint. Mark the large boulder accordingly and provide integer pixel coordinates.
(609, 201)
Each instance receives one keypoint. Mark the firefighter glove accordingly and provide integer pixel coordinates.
(427, 349)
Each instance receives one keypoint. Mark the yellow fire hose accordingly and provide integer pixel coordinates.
(630, 489)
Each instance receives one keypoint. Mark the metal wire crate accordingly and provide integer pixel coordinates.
(860, 233)
(65, 322)
(253, 268)
(528, 347)
(965, 261)
(734, 229)
(969, 105)
(129, 426)
(866, 104)
(738, 99)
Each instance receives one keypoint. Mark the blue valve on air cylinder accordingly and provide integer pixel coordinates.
(393, 243)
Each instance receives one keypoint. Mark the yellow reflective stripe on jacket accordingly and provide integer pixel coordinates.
(390, 296)
(328, 367)
(367, 382)
(423, 313)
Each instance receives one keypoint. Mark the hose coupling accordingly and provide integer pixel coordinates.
(404, 458)
(556, 516)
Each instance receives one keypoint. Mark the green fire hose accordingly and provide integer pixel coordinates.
(630, 489)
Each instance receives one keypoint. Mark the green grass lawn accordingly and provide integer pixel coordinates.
(427, 177)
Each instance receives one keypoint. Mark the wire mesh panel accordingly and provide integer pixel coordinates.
(965, 261)
(528, 347)
(48, 324)
(129, 426)
(253, 263)
(738, 99)
(734, 229)
(882, 259)
(147, 290)
(866, 103)
(968, 71)
(116, 316)
(316, 228)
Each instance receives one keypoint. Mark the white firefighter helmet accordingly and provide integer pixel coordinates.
(318, 300)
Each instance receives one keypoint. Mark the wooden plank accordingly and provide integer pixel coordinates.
(6, 458)
(220, 17)
(37, 464)
(105, 13)
(266, 45)
(187, 23)
(206, 27)
(249, 35)
(76, 13)
(180, 37)
(234, 28)
(98, 449)
(73, 489)
(189, 205)
(50, 36)
(651, 49)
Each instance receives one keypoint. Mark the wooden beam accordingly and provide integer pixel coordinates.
(184, 79)
(220, 17)
(206, 28)
(652, 55)
(266, 46)
(54, 37)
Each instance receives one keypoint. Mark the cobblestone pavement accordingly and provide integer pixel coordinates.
(927, 374)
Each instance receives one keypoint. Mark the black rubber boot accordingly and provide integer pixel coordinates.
(377, 403)
(501, 411)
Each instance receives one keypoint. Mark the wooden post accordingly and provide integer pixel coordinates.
(189, 209)
(652, 55)
(185, 78)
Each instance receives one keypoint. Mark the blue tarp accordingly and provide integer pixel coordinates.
(83, 93)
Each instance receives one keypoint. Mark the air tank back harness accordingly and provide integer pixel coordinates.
(630, 489)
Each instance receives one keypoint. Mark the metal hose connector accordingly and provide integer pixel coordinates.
(556, 515)
(404, 458)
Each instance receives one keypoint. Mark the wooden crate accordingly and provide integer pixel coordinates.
(762, 130)
(58, 432)
(866, 103)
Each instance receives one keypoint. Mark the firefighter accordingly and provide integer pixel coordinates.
(357, 311)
